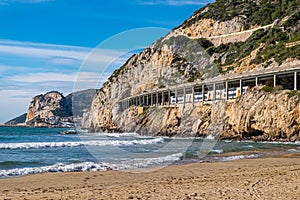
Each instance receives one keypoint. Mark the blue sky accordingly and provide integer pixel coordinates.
(45, 44)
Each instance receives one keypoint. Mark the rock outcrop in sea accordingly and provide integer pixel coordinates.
(53, 109)
(237, 37)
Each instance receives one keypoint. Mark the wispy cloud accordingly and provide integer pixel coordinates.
(65, 61)
(59, 77)
(28, 49)
(174, 2)
(58, 54)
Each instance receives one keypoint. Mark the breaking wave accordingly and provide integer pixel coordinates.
(238, 157)
(37, 145)
(91, 166)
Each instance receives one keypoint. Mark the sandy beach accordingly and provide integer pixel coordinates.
(262, 178)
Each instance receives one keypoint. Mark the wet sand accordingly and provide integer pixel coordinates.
(275, 177)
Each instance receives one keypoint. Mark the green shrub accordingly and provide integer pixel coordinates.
(205, 43)
(261, 13)
(267, 89)
(195, 76)
(161, 85)
(293, 93)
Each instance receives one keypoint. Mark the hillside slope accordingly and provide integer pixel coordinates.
(18, 120)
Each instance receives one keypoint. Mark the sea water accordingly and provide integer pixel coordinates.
(26, 151)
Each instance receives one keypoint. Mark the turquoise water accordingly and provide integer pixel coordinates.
(38, 150)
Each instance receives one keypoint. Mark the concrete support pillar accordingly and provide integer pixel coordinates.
(156, 98)
(203, 92)
(226, 89)
(151, 103)
(275, 83)
(256, 81)
(176, 95)
(184, 95)
(169, 100)
(215, 92)
(241, 86)
(193, 96)
(295, 80)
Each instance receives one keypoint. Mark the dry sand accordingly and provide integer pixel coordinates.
(263, 178)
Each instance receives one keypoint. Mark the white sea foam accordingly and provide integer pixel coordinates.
(37, 145)
(59, 167)
(294, 150)
(275, 142)
(270, 142)
(239, 157)
(210, 137)
(219, 151)
(116, 135)
(145, 162)
(91, 166)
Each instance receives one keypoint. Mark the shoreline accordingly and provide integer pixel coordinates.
(266, 178)
(280, 141)
(7, 125)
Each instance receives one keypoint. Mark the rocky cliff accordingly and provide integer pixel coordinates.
(54, 110)
(47, 109)
(261, 30)
(257, 115)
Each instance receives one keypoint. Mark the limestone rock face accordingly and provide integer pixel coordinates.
(212, 29)
(43, 105)
(263, 115)
(44, 109)
(152, 69)
(257, 115)
(54, 110)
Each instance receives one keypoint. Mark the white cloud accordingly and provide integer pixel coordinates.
(77, 81)
(41, 50)
(41, 77)
(53, 52)
(59, 77)
(15, 102)
(65, 61)
(175, 2)
(21, 93)
(19, 69)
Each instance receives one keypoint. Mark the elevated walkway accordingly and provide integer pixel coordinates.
(224, 87)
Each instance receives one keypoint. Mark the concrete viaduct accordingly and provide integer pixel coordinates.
(218, 88)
